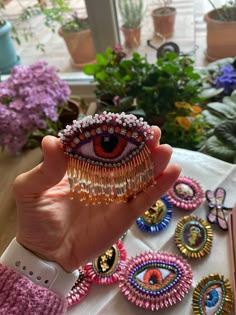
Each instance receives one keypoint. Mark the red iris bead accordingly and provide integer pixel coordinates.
(152, 276)
(110, 146)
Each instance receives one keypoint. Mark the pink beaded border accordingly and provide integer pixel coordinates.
(113, 276)
(156, 299)
(80, 289)
(186, 204)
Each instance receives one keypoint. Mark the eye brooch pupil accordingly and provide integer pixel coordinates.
(153, 279)
(109, 143)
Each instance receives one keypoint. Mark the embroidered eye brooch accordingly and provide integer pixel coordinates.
(108, 157)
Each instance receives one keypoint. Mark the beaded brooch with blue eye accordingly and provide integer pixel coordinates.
(212, 296)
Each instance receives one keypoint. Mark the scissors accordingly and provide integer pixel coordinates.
(216, 207)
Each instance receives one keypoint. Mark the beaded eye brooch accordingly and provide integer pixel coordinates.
(108, 158)
(212, 295)
(155, 280)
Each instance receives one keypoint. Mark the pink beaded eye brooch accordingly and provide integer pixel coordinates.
(155, 280)
(108, 158)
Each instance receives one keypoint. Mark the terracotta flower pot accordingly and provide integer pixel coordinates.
(164, 21)
(221, 39)
(132, 36)
(80, 46)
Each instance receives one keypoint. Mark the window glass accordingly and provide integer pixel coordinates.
(182, 32)
(38, 37)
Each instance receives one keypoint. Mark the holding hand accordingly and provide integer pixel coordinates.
(69, 232)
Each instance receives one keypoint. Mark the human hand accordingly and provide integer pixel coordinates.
(69, 232)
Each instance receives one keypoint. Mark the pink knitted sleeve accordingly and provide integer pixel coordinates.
(19, 295)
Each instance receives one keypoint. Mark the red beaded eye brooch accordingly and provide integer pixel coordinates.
(108, 157)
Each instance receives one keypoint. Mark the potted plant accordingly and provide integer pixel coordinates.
(34, 102)
(150, 90)
(132, 14)
(221, 25)
(164, 19)
(73, 29)
(8, 56)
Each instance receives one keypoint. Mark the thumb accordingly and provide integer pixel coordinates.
(45, 175)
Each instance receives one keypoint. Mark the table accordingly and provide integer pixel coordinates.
(211, 173)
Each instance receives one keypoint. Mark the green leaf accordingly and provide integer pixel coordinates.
(226, 132)
(218, 149)
(230, 101)
(101, 76)
(212, 119)
(138, 112)
(223, 109)
(101, 59)
(90, 69)
(211, 92)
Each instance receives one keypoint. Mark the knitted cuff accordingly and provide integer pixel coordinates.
(19, 295)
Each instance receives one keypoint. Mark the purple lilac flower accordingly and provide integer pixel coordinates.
(28, 99)
(227, 79)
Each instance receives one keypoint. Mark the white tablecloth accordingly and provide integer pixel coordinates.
(210, 173)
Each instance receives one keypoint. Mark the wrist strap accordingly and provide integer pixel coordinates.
(44, 273)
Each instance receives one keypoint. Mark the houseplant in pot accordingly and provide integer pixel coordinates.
(8, 56)
(34, 102)
(164, 19)
(221, 25)
(149, 90)
(73, 28)
(132, 14)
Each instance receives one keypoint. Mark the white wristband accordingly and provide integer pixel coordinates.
(44, 273)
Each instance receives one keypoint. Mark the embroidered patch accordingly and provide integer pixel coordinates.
(106, 268)
(156, 218)
(80, 289)
(193, 237)
(212, 295)
(216, 207)
(186, 194)
(108, 159)
(155, 280)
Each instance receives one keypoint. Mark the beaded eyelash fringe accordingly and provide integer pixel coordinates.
(95, 183)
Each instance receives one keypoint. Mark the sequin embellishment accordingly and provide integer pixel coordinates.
(193, 237)
(80, 289)
(155, 280)
(106, 268)
(108, 158)
(156, 218)
(186, 194)
(212, 296)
